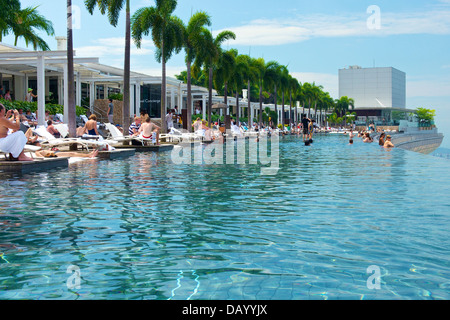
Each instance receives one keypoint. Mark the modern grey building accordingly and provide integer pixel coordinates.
(376, 91)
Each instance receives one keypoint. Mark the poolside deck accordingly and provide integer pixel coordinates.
(160, 148)
(38, 165)
(117, 154)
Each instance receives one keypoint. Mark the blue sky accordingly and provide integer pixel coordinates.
(314, 38)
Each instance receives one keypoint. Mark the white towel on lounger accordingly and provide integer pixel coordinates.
(13, 143)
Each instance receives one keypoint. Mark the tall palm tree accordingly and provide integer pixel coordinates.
(114, 7)
(260, 68)
(238, 80)
(7, 16)
(209, 56)
(272, 80)
(26, 22)
(192, 41)
(315, 93)
(293, 89)
(249, 73)
(167, 34)
(284, 83)
(71, 74)
(224, 72)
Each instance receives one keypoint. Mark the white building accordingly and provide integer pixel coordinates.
(376, 91)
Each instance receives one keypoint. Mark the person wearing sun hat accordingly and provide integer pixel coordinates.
(29, 97)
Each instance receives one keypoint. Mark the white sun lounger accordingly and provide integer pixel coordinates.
(118, 136)
(182, 136)
(51, 141)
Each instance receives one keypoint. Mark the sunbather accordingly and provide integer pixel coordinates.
(52, 130)
(60, 154)
(13, 143)
(91, 126)
(149, 129)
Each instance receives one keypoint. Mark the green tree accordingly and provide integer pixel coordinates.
(209, 56)
(26, 24)
(167, 34)
(113, 9)
(425, 116)
(192, 33)
(7, 16)
(70, 71)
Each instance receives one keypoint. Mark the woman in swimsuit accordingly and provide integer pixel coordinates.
(91, 126)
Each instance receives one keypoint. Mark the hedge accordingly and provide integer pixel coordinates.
(32, 106)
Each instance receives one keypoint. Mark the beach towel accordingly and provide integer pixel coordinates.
(13, 143)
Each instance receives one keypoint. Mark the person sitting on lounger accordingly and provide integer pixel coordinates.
(59, 154)
(149, 130)
(90, 127)
(135, 126)
(52, 130)
(15, 142)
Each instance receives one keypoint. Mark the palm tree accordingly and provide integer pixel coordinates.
(114, 7)
(209, 57)
(284, 84)
(343, 105)
(167, 34)
(272, 80)
(26, 22)
(315, 93)
(71, 74)
(249, 73)
(293, 89)
(224, 72)
(260, 68)
(238, 79)
(192, 34)
(7, 16)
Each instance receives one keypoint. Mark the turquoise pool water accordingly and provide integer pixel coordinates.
(145, 228)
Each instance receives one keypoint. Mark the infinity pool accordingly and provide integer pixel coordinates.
(336, 222)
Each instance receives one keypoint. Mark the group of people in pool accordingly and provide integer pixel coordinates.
(384, 140)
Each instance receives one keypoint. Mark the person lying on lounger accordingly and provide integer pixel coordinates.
(15, 142)
(61, 154)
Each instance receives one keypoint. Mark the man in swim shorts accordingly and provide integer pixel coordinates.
(149, 130)
(15, 142)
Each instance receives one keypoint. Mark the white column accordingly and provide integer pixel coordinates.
(132, 102)
(41, 90)
(180, 99)
(66, 91)
(252, 114)
(105, 91)
(138, 97)
(78, 100)
(204, 106)
(61, 90)
(92, 97)
(172, 98)
(24, 93)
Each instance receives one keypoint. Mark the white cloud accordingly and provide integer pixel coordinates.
(268, 32)
(111, 48)
(330, 82)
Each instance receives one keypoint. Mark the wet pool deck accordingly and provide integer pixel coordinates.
(38, 165)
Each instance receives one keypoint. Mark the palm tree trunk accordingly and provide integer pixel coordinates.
(225, 100)
(210, 96)
(237, 107)
(163, 91)
(189, 99)
(290, 108)
(276, 106)
(260, 104)
(249, 111)
(70, 71)
(282, 110)
(126, 75)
